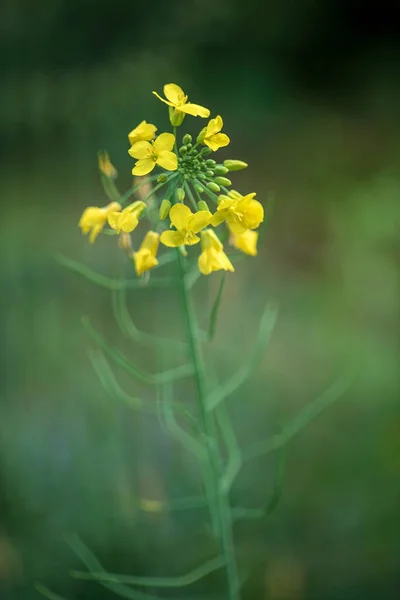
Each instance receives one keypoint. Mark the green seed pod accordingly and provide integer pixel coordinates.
(223, 181)
(213, 187)
(183, 150)
(164, 209)
(210, 163)
(180, 194)
(199, 188)
(235, 165)
(220, 170)
(210, 173)
(162, 178)
(202, 205)
(187, 138)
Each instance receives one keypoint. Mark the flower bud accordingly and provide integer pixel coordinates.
(183, 150)
(235, 165)
(213, 187)
(202, 135)
(201, 175)
(187, 138)
(210, 163)
(164, 209)
(176, 117)
(162, 178)
(210, 173)
(203, 205)
(206, 151)
(220, 170)
(180, 194)
(199, 188)
(234, 195)
(223, 181)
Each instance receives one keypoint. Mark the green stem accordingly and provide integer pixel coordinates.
(220, 508)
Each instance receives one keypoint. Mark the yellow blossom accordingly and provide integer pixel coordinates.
(106, 166)
(246, 241)
(187, 225)
(150, 154)
(145, 258)
(211, 135)
(143, 132)
(94, 218)
(128, 219)
(240, 213)
(177, 100)
(212, 257)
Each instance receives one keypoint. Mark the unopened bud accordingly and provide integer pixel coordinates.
(162, 178)
(210, 173)
(210, 162)
(223, 181)
(164, 209)
(202, 205)
(180, 194)
(235, 165)
(199, 188)
(234, 195)
(220, 170)
(187, 138)
(201, 175)
(183, 150)
(213, 187)
(206, 151)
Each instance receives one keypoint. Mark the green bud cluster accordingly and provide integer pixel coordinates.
(194, 164)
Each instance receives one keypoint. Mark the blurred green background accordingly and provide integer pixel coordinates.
(309, 93)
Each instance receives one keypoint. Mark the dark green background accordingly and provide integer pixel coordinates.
(309, 92)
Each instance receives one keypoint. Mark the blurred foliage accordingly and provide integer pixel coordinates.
(309, 92)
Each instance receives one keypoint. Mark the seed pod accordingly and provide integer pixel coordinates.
(164, 209)
(223, 181)
(213, 187)
(162, 178)
(220, 170)
(180, 194)
(203, 205)
(235, 165)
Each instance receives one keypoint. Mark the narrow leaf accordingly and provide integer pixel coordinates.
(214, 311)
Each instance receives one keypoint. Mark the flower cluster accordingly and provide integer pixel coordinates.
(190, 175)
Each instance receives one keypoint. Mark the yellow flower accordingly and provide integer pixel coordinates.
(177, 99)
(187, 225)
(240, 213)
(211, 135)
(145, 257)
(213, 257)
(150, 154)
(105, 165)
(246, 241)
(94, 218)
(143, 132)
(128, 219)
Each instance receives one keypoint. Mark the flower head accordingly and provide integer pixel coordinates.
(145, 258)
(128, 219)
(211, 136)
(178, 101)
(187, 225)
(240, 213)
(143, 132)
(246, 241)
(150, 154)
(213, 257)
(105, 165)
(94, 218)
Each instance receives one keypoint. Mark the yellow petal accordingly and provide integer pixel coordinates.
(195, 110)
(253, 214)
(180, 215)
(162, 99)
(234, 225)
(219, 140)
(144, 131)
(113, 220)
(246, 242)
(142, 167)
(174, 93)
(199, 221)
(165, 141)
(144, 261)
(167, 160)
(141, 150)
(218, 218)
(209, 239)
(96, 229)
(204, 264)
(151, 242)
(214, 126)
(172, 239)
(128, 222)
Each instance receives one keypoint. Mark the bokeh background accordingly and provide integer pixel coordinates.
(309, 92)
